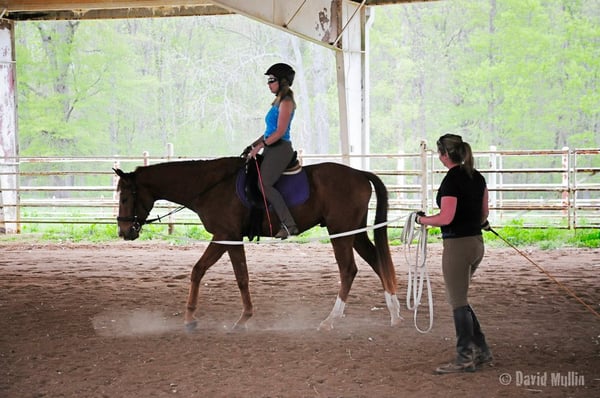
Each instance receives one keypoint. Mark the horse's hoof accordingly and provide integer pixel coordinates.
(239, 328)
(325, 326)
(190, 327)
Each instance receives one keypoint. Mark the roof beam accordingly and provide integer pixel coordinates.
(22, 10)
(45, 5)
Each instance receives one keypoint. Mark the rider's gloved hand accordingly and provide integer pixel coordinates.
(246, 151)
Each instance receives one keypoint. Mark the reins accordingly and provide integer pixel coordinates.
(262, 189)
(159, 218)
(136, 220)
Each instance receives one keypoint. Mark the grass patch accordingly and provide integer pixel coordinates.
(543, 238)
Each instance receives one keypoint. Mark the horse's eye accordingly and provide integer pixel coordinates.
(123, 201)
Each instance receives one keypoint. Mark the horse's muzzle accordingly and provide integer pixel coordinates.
(132, 233)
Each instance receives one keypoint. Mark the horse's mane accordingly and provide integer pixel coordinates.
(223, 164)
(198, 174)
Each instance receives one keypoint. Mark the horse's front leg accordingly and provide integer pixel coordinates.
(237, 256)
(344, 256)
(210, 256)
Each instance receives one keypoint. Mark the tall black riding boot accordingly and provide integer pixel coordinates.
(483, 354)
(465, 361)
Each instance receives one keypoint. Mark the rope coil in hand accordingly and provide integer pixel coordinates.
(418, 278)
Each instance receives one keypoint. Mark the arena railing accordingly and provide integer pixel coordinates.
(528, 188)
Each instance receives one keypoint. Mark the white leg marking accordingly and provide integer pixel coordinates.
(336, 312)
(394, 307)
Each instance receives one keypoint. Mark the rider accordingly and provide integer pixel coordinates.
(276, 143)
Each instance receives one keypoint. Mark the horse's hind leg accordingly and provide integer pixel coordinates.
(342, 248)
(365, 248)
(237, 256)
(210, 256)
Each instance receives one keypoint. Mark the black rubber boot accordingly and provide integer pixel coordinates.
(465, 360)
(483, 354)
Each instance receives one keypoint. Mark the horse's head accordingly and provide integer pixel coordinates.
(133, 207)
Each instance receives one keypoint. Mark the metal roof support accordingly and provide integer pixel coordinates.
(353, 81)
(362, 4)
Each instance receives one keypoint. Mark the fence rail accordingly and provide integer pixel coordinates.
(554, 188)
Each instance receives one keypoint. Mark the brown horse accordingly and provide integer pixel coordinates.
(339, 199)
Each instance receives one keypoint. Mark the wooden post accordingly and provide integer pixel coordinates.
(9, 149)
(493, 182)
(424, 201)
(2, 226)
(115, 181)
(566, 184)
(171, 227)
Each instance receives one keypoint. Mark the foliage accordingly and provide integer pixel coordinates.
(543, 238)
(126, 86)
(586, 238)
(515, 74)
(520, 75)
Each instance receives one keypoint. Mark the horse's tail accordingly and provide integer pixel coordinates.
(382, 247)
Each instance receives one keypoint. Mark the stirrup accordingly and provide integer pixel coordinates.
(286, 232)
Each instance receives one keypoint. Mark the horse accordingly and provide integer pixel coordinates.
(338, 199)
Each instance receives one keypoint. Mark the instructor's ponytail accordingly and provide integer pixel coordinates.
(458, 151)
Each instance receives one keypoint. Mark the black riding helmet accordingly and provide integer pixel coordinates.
(282, 71)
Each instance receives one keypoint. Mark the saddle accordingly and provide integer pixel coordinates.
(293, 186)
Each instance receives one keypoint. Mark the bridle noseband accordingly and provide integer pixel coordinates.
(136, 225)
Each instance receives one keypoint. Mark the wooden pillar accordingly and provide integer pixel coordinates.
(8, 131)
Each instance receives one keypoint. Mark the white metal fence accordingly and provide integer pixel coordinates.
(554, 188)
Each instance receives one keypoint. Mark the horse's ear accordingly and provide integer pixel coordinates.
(119, 172)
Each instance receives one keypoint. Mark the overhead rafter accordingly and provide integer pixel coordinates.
(22, 10)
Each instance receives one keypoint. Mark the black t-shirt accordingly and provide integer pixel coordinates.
(469, 194)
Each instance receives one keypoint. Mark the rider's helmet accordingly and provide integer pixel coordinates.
(282, 71)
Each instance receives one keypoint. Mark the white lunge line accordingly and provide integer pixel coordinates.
(332, 236)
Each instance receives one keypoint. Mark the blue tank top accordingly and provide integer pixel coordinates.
(271, 122)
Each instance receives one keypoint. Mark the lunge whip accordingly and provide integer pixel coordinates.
(486, 227)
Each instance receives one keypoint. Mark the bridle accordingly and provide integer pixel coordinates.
(137, 222)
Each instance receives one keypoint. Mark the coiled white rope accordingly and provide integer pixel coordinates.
(417, 269)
